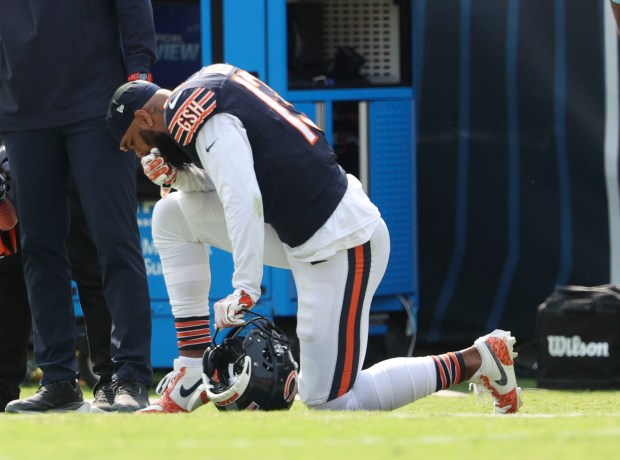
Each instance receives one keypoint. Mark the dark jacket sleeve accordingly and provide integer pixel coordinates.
(135, 18)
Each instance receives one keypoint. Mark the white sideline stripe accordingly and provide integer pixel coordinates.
(413, 415)
(434, 439)
(611, 142)
(510, 416)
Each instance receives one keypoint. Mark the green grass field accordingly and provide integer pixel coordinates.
(551, 425)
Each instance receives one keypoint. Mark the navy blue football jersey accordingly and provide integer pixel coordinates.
(299, 178)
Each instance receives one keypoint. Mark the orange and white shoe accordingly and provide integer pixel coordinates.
(181, 390)
(496, 375)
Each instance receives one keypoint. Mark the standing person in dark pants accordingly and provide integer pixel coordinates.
(86, 273)
(16, 326)
(60, 62)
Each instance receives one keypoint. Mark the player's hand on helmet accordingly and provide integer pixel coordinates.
(228, 311)
(157, 169)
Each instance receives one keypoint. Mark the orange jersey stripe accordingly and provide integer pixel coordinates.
(180, 110)
(178, 135)
(204, 115)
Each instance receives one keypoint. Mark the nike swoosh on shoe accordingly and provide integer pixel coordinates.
(503, 380)
(185, 392)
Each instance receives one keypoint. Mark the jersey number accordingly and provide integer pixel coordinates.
(298, 120)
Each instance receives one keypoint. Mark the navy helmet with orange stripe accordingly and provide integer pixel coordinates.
(254, 372)
(126, 100)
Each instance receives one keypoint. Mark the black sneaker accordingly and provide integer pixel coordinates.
(129, 396)
(104, 396)
(63, 395)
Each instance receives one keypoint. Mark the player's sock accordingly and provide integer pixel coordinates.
(188, 361)
(193, 333)
(450, 369)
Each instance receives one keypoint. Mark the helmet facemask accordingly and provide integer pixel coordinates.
(256, 372)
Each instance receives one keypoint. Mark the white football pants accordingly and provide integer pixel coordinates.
(334, 298)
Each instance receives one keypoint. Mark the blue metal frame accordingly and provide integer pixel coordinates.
(249, 44)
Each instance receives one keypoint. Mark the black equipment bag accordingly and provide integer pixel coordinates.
(578, 330)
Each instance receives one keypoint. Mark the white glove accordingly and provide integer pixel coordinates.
(228, 311)
(157, 169)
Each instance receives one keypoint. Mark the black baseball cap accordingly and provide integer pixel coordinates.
(126, 100)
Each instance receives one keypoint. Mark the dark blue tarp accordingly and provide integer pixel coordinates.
(512, 199)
